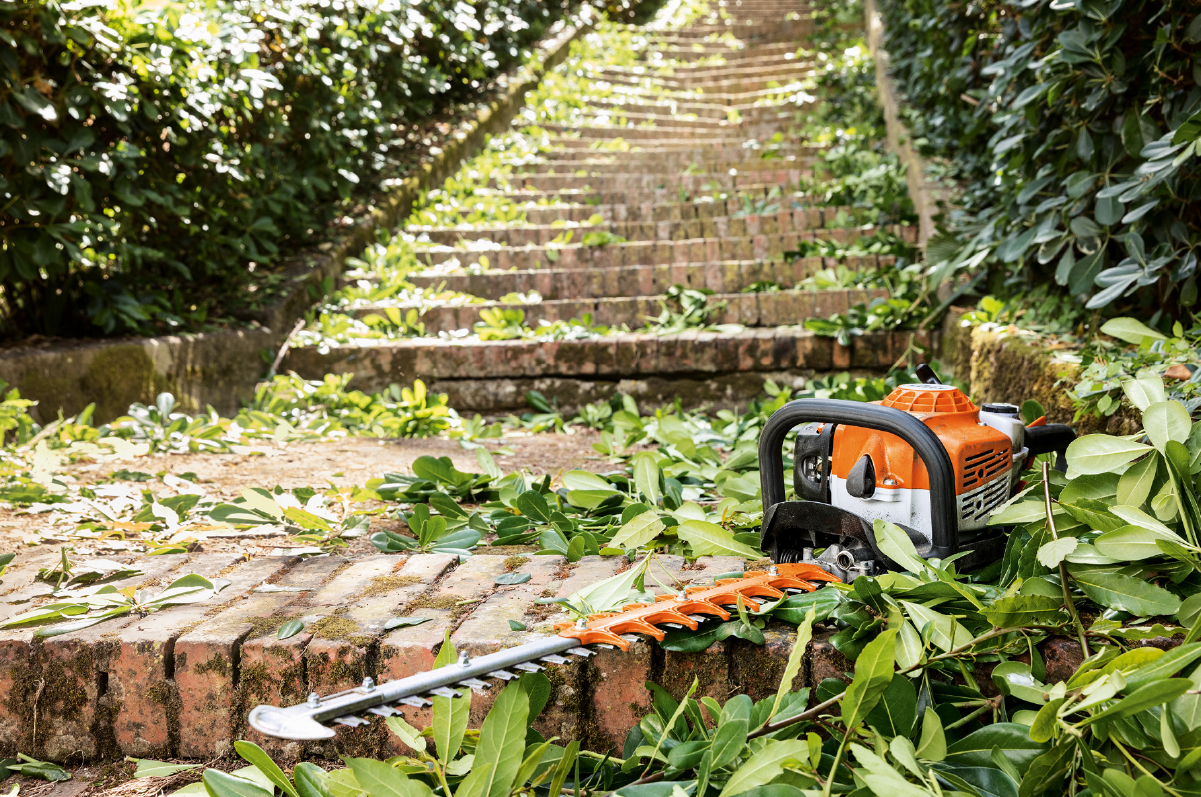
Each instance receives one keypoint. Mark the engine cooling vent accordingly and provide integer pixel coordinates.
(979, 506)
(982, 466)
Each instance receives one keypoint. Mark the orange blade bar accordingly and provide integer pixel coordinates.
(641, 617)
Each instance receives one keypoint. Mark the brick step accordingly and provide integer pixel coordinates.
(751, 31)
(614, 281)
(804, 218)
(775, 115)
(377, 364)
(779, 172)
(784, 67)
(647, 211)
(650, 108)
(747, 160)
(677, 162)
(654, 152)
(700, 88)
(772, 308)
(726, 134)
(754, 191)
(662, 50)
(698, 108)
(708, 96)
(645, 253)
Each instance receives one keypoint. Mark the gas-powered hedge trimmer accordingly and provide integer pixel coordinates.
(925, 458)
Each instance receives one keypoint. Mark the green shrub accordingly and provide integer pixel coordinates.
(152, 159)
(1073, 127)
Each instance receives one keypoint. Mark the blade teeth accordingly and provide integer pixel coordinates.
(630, 637)
(444, 691)
(503, 675)
(675, 626)
(415, 702)
(585, 652)
(382, 711)
(350, 720)
(476, 683)
(553, 659)
(606, 647)
(529, 666)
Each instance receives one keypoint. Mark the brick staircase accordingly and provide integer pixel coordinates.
(674, 164)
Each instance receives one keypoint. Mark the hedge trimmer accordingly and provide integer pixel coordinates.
(308, 720)
(925, 460)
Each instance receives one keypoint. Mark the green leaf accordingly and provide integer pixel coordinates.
(896, 545)
(1101, 453)
(1130, 330)
(516, 626)
(310, 780)
(507, 579)
(1012, 739)
(1054, 552)
(1134, 486)
(873, 671)
(1125, 593)
(765, 765)
(148, 768)
(795, 659)
(584, 480)
(381, 780)
(710, 539)
(450, 716)
(896, 713)
(502, 743)
(224, 784)
(290, 629)
(1046, 721)
(1144, 391)
(729, 741)
(257, 756)
(639, 531)
(1166, 420)
(1017, 611)
(1133, 543)
(400, 622)
(646, 477)
(1166, 666)
(933, 743)
(1144, 697)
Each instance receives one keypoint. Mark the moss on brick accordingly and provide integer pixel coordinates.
(514, 562)
(334, 628)
(217, 664)
(381, 584)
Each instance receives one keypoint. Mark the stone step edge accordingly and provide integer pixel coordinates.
(758, 246)
(626, 281)
(376, 364)
(753, 309)
(813, 217)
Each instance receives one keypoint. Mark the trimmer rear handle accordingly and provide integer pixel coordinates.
(944, 527)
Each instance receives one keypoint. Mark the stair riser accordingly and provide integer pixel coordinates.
(759, 246)
(585, 172)
(719, 277)
(778, 308)
(716, 227)
(680, 155)
(615, 356)
(720, 136)
(783, 175)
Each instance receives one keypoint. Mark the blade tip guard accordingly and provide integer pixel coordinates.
(283, 724)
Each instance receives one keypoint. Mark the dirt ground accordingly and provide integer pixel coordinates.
(338, 463)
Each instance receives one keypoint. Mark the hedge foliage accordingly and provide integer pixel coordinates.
(1073, 127)
(150, 159)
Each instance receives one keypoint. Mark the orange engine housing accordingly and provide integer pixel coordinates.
(877, 475)
(979, 453)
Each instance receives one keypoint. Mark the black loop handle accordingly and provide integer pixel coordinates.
(944, 531)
